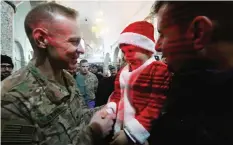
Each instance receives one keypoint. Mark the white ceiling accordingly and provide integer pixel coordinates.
(115, 16)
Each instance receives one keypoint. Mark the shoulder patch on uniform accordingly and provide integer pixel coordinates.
(17, 134)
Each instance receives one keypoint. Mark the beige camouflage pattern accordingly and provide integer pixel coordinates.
(91, 83)
(39, 111)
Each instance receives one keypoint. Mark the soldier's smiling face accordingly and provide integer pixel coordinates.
(64, 42)
(60, 40)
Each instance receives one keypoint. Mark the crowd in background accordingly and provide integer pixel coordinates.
(101, 89)
(98, 86)
(185, 99)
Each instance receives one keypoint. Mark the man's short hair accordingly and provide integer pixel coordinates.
(220, 12)
(112, 68)
(7, 59)
(44, 13)
(83, 61)
(94, 65)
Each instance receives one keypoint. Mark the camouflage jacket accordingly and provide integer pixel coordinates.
(89, 88)
(36, 110)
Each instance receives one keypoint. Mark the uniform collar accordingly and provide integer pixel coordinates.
(54, 91)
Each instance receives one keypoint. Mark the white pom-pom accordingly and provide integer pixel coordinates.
(109, 110)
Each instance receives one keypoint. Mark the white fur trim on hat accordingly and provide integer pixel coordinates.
(137, 131)
(112, 106)
(137, 40)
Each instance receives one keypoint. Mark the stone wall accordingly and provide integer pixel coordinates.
(14, 41)
(7, 15)
(22, 47)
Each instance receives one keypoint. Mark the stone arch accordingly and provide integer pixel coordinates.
(18, 55)
(115, 55)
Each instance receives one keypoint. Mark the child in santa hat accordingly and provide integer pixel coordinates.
(140, 86)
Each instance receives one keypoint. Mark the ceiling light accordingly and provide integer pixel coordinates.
(102, 32)
(82, 43)
(97, 35)
(101, 13)
(101, 47)
(98, 20)
(94, 29)
(106, 30)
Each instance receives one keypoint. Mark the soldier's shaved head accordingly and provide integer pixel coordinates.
(43, 16)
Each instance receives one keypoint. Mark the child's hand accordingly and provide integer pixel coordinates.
(104, 124)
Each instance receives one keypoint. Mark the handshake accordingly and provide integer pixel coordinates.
(105, 119)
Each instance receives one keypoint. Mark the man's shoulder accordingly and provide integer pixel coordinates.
(19, 81)
(158, 66)
(160, 72)
(157, 70)
(91, 75)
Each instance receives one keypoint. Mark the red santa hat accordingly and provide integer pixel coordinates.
(139, 34)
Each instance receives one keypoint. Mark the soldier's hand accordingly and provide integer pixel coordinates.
(105, 123)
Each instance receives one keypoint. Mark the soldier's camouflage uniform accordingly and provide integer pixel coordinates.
(91, 84)
(36, 110)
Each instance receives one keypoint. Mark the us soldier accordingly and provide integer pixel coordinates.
(40, 103)
(87, 83)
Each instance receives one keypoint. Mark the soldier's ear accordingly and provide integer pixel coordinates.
(40, 37)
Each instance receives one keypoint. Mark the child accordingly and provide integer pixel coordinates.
(139, 87)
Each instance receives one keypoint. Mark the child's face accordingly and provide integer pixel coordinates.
(134, 55)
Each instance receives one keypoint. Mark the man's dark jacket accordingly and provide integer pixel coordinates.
(198, 111)
(105, 88)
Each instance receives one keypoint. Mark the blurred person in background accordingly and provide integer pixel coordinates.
(113, 71)
(87, 83)
(106, 87)
(95, 70)
(6, 66)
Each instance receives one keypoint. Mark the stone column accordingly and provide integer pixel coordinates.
(115, 55)
(107, 60)
(7, 14)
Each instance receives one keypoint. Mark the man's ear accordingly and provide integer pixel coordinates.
(201, 30)
(40, 37)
